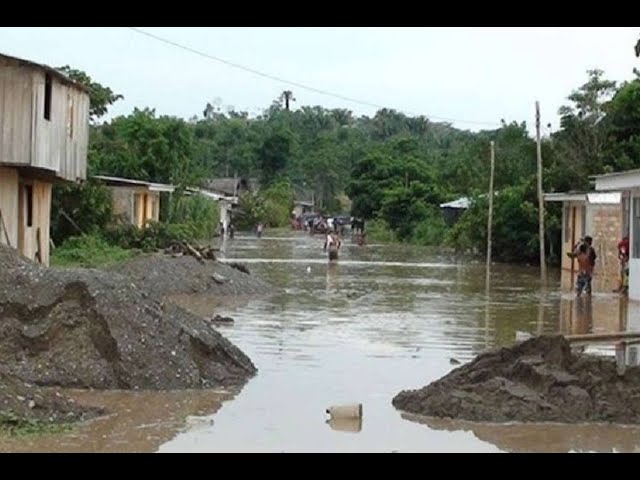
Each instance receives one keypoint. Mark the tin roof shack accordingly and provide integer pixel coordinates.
(627, 182)
(44, 133)
(601, 216)
(452, 211)
(135, 201)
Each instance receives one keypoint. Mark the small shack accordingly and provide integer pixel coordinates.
(453, 210)
(599, 215)
(135, 201)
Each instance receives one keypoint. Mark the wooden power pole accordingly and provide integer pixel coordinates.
(490, 220)
(543, 263)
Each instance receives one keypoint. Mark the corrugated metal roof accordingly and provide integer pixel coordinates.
(59, 75)
(616, 174)
(611, 198)
(121, 182)
(460, 203)
(565, 196)
(212, 195)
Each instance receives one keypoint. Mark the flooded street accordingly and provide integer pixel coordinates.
(384, 319)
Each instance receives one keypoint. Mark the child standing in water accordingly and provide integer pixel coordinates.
(585, 271)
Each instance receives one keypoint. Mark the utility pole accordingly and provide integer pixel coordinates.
(543, 263)
(490, 220)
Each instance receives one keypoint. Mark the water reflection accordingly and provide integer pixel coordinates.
(137, 422)
(381, 320)
(543, 437)
(351, 425)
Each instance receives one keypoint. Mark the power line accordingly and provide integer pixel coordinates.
(295, 84)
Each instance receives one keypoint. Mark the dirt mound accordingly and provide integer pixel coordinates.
(539, 380)
(89, 328)
(22, 404)
(162, 274)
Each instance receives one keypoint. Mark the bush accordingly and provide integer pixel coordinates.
(272, 207)
(515, 226)
(87, 204)
(88, 251)
(155, 236)
(431, 231)
(200, 213)
(379, 231)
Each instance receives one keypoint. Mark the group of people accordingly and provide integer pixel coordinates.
(584, 253)
(230, 230)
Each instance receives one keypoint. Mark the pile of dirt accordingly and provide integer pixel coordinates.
(22, 403)
(539, 380)
(161, 274)
(95, 329)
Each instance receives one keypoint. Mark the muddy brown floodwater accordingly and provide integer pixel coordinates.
(384, 319)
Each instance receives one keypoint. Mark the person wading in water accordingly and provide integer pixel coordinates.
(332, 244)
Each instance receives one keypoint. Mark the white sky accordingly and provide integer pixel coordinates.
(476, 74)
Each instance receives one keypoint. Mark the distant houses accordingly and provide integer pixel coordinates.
(135, 201)
(44, 134)
(452, 211)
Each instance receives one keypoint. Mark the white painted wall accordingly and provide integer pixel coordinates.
(634, 279)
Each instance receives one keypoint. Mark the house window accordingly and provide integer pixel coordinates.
(47, 96)
(28, 193)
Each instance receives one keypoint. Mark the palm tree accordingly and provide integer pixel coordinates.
(287, 96)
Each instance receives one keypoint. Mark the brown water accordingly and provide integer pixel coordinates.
(385, 318)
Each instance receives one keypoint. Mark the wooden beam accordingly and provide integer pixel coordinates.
(4, 229)
(597, 337)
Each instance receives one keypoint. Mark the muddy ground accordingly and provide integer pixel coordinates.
(95, 329)
(539, 380)
(23, 405)
(162, 275)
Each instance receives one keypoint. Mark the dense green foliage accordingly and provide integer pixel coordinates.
(396, 169)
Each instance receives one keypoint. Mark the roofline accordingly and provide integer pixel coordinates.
(635, 171)
(565, 196)
(212, 195)
(154, 187)
(58, 74)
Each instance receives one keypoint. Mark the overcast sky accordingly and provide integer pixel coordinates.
(479, 74)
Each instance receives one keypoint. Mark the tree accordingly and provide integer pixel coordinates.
(624, 127)
(286, 97)
(100, 97)
(273, 156)
(582, 140)
(145, 147)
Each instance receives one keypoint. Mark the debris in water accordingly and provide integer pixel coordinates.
(345, 411)
(221, 319)
(522, 336)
